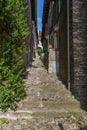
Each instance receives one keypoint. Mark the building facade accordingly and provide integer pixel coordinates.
(65, 29)
(79, 49)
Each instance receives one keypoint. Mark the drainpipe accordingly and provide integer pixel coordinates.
(68, 40)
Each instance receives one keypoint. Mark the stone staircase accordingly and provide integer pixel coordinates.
(45, 92)
(47, 106)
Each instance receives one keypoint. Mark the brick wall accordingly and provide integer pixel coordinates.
(79, 49)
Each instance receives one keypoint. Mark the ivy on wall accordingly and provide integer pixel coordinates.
(13, 33)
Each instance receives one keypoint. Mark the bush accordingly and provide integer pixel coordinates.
(40, 51)
(13, 33)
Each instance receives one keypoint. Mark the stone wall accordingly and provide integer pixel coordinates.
(79, 42)
(31, 41)
(28, 54)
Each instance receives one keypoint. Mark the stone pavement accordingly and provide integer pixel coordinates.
(47, 106)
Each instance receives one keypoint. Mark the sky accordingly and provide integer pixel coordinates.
(39, 13)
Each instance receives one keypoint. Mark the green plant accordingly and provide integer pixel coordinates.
(13, 33)
(40, 50)
(4, 121)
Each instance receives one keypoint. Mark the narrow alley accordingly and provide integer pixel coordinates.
(47, 106)
(43, 65)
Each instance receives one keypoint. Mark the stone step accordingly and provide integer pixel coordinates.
(49, 94)
(49, 105)
(51, 98)
(35, 120)
(40, 112)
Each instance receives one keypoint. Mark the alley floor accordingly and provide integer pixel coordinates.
(47, 106)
